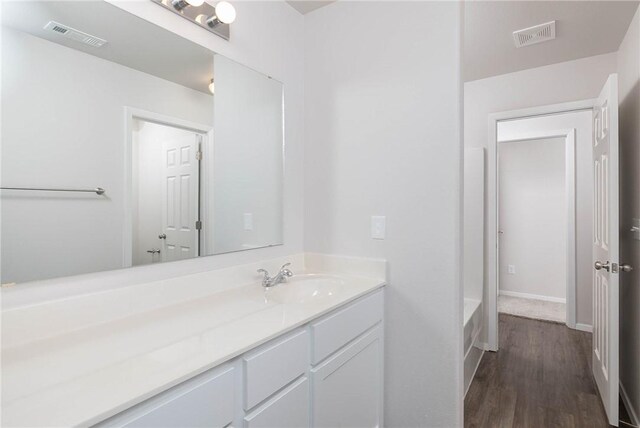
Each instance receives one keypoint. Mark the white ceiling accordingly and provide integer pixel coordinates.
(132, 41)
(583, 28)
(306, 6)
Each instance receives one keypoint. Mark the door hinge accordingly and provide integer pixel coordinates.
(198, 225)
(199, 155)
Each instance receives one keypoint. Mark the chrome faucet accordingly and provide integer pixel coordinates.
(282, 276)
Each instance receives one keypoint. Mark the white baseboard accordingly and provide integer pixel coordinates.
(532, 296)
(485, 347)
(627, 403)
(584, 327)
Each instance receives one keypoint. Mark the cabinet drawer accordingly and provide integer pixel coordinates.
(204, 401)
(289, 409)
(276, 364)
(341, 327)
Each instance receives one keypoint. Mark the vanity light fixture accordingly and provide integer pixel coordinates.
(181, 4)
(212, 87)
(203, 13)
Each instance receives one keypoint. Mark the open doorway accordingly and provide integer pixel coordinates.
(536, 236)
(570, 126)
(590, 132)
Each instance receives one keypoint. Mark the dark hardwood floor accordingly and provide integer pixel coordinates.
(541, 377)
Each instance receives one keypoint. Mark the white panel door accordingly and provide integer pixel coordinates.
(180, 197)
(605, 247)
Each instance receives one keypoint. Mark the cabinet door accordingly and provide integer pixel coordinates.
(347, 388)
(288, 409)
(204, 401)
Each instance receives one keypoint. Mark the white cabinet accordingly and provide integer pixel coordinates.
(347, 387)
(288, 409)
(204, 401)
(327, 373)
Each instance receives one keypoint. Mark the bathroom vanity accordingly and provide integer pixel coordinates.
(213, 352)
(326, 373)
(130, 176)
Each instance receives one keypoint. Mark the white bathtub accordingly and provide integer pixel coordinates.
(472, 349)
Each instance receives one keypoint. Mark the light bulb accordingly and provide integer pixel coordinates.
(181, 4)
(212, 87)
(225, 12)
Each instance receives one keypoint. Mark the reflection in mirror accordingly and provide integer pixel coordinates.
(131, 109)
(247, 159)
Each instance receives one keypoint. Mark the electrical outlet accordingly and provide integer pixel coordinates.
(511, 269)
(378, 226)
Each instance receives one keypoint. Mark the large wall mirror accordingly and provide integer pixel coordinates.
(125, 145)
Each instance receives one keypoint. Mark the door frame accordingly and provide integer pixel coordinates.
(491, 246)
(131, 114)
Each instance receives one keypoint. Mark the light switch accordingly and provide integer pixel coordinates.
(378, 226)
(635, 229)
(248, 221)
(511, 269)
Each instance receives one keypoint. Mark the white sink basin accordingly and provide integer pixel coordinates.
(308, 288)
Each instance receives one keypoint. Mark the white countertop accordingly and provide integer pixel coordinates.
(83, 376)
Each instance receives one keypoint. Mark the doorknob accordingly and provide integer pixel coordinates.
(615, 267)
(599, 265)
(162, 236)
(153, 251)
(626, 268)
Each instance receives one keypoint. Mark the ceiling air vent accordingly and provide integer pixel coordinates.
(74, 34)
(536, 34)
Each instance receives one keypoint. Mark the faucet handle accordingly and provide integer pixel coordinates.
(284, 266)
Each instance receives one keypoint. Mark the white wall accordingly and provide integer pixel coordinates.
(535, 87)
(382, 137)
(629, 120)
(50, 235)
(275, 50)
(247, 158)
(581, 122)
(474, 166)
(533, 217)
